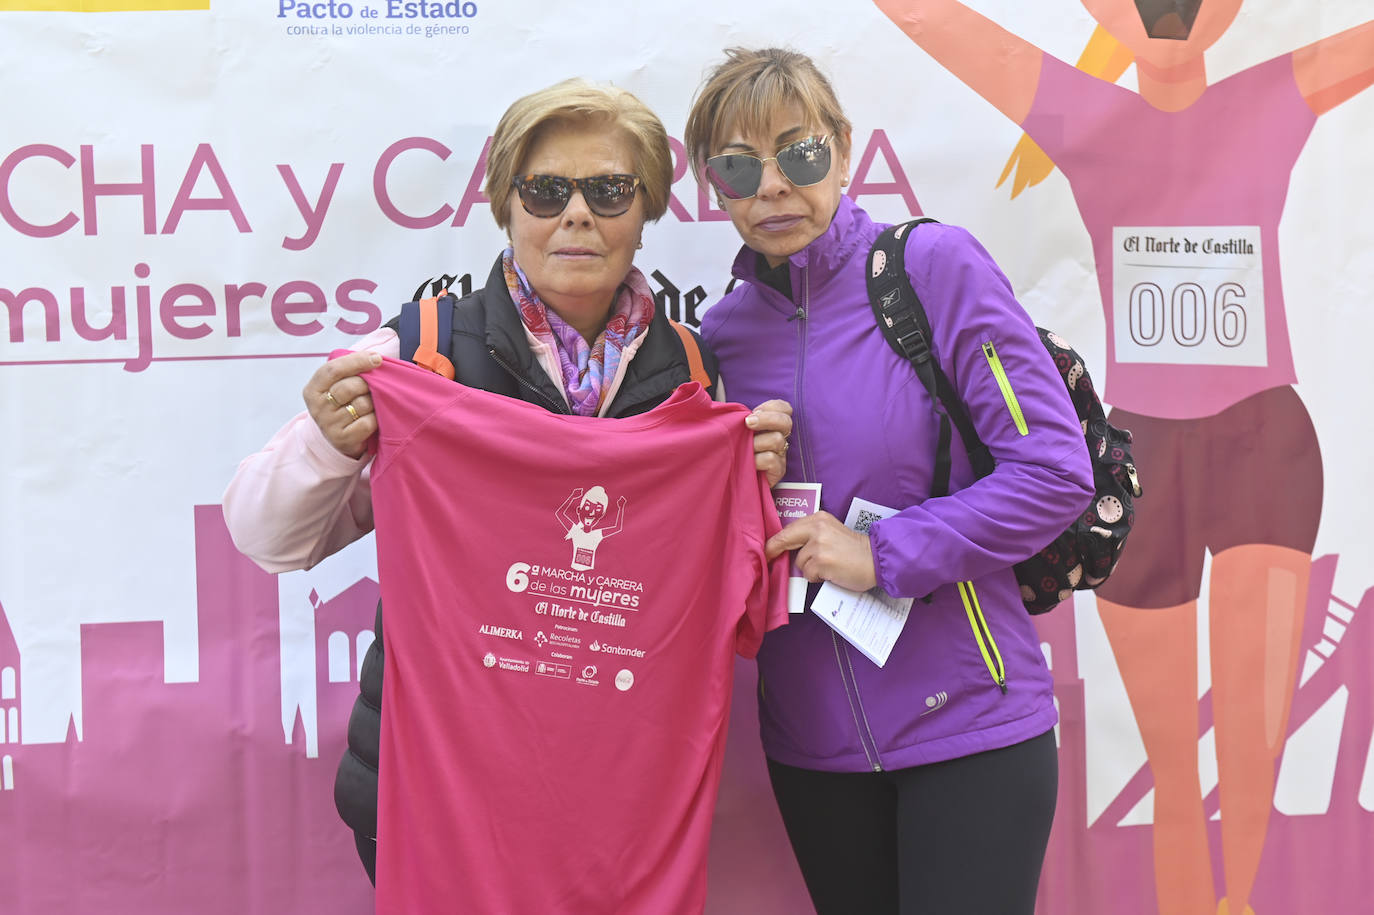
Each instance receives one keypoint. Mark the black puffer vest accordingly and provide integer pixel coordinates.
(489, 352)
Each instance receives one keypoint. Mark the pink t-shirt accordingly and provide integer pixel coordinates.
(564, 600)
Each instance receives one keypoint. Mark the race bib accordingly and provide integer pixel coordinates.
(1188, 295)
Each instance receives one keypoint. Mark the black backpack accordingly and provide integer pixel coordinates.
(1082, 556)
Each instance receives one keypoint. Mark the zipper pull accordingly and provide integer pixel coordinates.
(800, 313)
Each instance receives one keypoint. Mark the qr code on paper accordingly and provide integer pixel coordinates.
(865, 520)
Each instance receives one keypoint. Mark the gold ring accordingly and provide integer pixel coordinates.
(785, 443)
(329, 396)
(351, 411)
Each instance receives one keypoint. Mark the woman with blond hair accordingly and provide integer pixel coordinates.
(565, 321)
(926, 784)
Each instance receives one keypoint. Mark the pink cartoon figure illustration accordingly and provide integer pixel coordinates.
(1181, 185)
(581, 523)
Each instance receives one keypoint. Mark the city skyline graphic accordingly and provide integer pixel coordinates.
(181, 797)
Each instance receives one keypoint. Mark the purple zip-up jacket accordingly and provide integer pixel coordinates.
(967, 673)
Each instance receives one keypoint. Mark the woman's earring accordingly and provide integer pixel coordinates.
(639, 246)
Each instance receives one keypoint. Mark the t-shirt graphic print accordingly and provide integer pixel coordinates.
(564, 597)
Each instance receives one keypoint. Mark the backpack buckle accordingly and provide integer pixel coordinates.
(914, 345)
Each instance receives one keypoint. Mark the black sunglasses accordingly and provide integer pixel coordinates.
(804, 163)
(546, 196)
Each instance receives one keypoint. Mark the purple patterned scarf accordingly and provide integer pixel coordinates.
(587, 370)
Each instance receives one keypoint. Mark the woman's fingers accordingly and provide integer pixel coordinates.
(771, 423)
(771, 416)
(339, 401)
(827, 551)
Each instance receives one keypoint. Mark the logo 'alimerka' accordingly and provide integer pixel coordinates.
(102, 6)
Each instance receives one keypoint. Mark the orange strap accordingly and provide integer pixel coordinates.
(427, 353)
(689, 344)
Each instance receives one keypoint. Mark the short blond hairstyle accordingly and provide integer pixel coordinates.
(575, 102)
(745, 92)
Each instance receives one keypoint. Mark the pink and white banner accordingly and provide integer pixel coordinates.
(200, 198)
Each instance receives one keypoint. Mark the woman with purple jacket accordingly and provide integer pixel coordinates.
(927, 784)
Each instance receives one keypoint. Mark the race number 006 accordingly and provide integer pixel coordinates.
(1186, 315)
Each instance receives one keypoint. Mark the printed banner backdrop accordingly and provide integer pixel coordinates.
(200, 199)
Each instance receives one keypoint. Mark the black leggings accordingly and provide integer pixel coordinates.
(965, 836)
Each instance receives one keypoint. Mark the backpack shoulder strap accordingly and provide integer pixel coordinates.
(426, 332)
(899, 312)
(693, 351)
(902, 319)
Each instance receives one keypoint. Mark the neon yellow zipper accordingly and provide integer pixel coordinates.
(987, 646)
(1000, 373)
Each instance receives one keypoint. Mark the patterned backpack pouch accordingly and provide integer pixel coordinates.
(1084, 555)
(1087, 552)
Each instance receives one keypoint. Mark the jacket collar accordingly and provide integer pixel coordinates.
(505, 330)
(850, 231)
(649, 369)
(507, 339)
